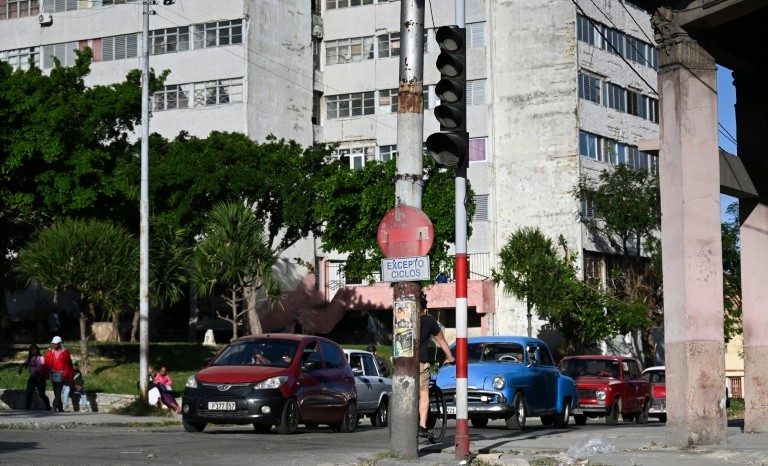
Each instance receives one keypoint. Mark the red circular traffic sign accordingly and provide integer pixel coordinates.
(405, 231)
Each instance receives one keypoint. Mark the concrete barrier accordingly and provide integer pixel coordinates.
(97, 402)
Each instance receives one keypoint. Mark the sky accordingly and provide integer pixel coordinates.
(726, 116)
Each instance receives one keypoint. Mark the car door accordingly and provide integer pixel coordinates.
(311, 380)
(635, 379)
(537, 376)
(339, 384)
(363, 385)
(551, 376)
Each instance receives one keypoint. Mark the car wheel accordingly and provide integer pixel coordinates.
(479, 422)
(580, 419)
(261, 428)
(662, 417)
(289, 420)
(349, 421)
(642, 416)
(562, 419)
(547, 420)
(516, 420)
(381, 416)
(612, 418)
(193, 426)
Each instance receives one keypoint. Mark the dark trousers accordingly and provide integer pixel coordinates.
(57, 402)
(35, 383)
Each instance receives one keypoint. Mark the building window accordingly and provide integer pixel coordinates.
(19, 58)
(589, 88)
(389, 45)
(171, 97)
(615, 97)
(357, 156)
(586, 31)
(222, 91)
(614, 41)
(64, 52)
(481, 208)
(346, 105)
(348, 50)
(476, 92)
(120, 47)
(477, 149)
(593, 267)
(218, 34)
(587, 209)
(169, 40)
(613, 152)
(56, 6)
(333, 4)
(10, 9)
(475, 35)
(388, 101)
(589, 145)
(387, 152)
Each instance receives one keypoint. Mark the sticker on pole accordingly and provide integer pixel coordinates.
(405, 231)
(405, 269)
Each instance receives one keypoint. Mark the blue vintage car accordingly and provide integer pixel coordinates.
(511, 378)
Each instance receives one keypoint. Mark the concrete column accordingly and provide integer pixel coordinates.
(691, 245)
(752, 126)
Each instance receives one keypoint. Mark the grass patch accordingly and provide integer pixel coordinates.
(736, 410)
(139, 407)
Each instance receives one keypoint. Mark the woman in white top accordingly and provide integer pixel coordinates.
(36, 380)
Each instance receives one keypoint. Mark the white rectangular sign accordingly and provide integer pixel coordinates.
(405, 269)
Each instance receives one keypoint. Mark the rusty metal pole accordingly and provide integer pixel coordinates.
(404, 417)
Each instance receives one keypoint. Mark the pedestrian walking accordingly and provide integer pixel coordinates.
(58, 365)
(35, 364)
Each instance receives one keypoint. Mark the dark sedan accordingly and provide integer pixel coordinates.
(280, 380)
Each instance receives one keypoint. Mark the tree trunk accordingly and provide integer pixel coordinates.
(85, 364)
(530, 318)
(233, 305)
(135, 324)
(254, 322)
(114, 333)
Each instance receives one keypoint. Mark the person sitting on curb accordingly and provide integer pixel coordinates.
(165, 385)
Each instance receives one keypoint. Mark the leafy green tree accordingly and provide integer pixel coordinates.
(627, 214)
(531, 270)
(95, 259)
(352, 203)
(235, 253)
(732, 273)
(278, 178)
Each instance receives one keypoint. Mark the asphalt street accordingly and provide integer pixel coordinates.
(96, 438)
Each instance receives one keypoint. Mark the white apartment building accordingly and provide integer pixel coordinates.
(556, 89)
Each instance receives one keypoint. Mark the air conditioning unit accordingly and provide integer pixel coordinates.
(44, 19)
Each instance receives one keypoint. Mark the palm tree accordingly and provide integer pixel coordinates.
(96, 259)
(235, 253)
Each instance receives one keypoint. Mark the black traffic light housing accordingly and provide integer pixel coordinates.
(450, 147)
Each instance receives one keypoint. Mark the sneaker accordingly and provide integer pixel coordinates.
(424, 432)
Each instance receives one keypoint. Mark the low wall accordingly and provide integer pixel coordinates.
(97, 402)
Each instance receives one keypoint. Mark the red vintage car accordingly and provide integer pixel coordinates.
(608, 386)
(656, 375)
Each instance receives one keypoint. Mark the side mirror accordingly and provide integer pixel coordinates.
(207, 361)
(357, 371)
(310, 366)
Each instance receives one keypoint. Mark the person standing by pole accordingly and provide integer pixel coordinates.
(430, 328)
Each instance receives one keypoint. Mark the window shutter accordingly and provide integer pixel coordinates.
(108, 49)
(481, 208)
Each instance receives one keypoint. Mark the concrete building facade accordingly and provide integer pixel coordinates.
(556, 90)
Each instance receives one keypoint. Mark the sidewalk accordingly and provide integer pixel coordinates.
(631, 444)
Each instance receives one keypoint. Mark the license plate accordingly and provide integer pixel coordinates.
(451, 409)
(221, 405)
(578, 411)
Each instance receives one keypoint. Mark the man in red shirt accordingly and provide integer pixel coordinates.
(58, 364)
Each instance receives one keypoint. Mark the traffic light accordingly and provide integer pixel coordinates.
(450, 147)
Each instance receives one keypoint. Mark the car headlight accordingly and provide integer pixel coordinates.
(600, 395)
(273, 382)
(192, 382)
(499, 382)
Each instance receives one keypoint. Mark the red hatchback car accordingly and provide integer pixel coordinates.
(280, 380)
(608, 386)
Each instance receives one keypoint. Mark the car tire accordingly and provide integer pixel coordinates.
(349, 420)
(612, 418)
(261, 428)
(193, 426)
(479, 422)
(580, 419)
(642, 416)
(662, 417)
(562, 419)
(381, 417)
(289, 420)
(516, 421)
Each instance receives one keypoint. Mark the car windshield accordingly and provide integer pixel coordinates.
(504, 352)
(655, 376)
(590, 368)
(263, 352)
